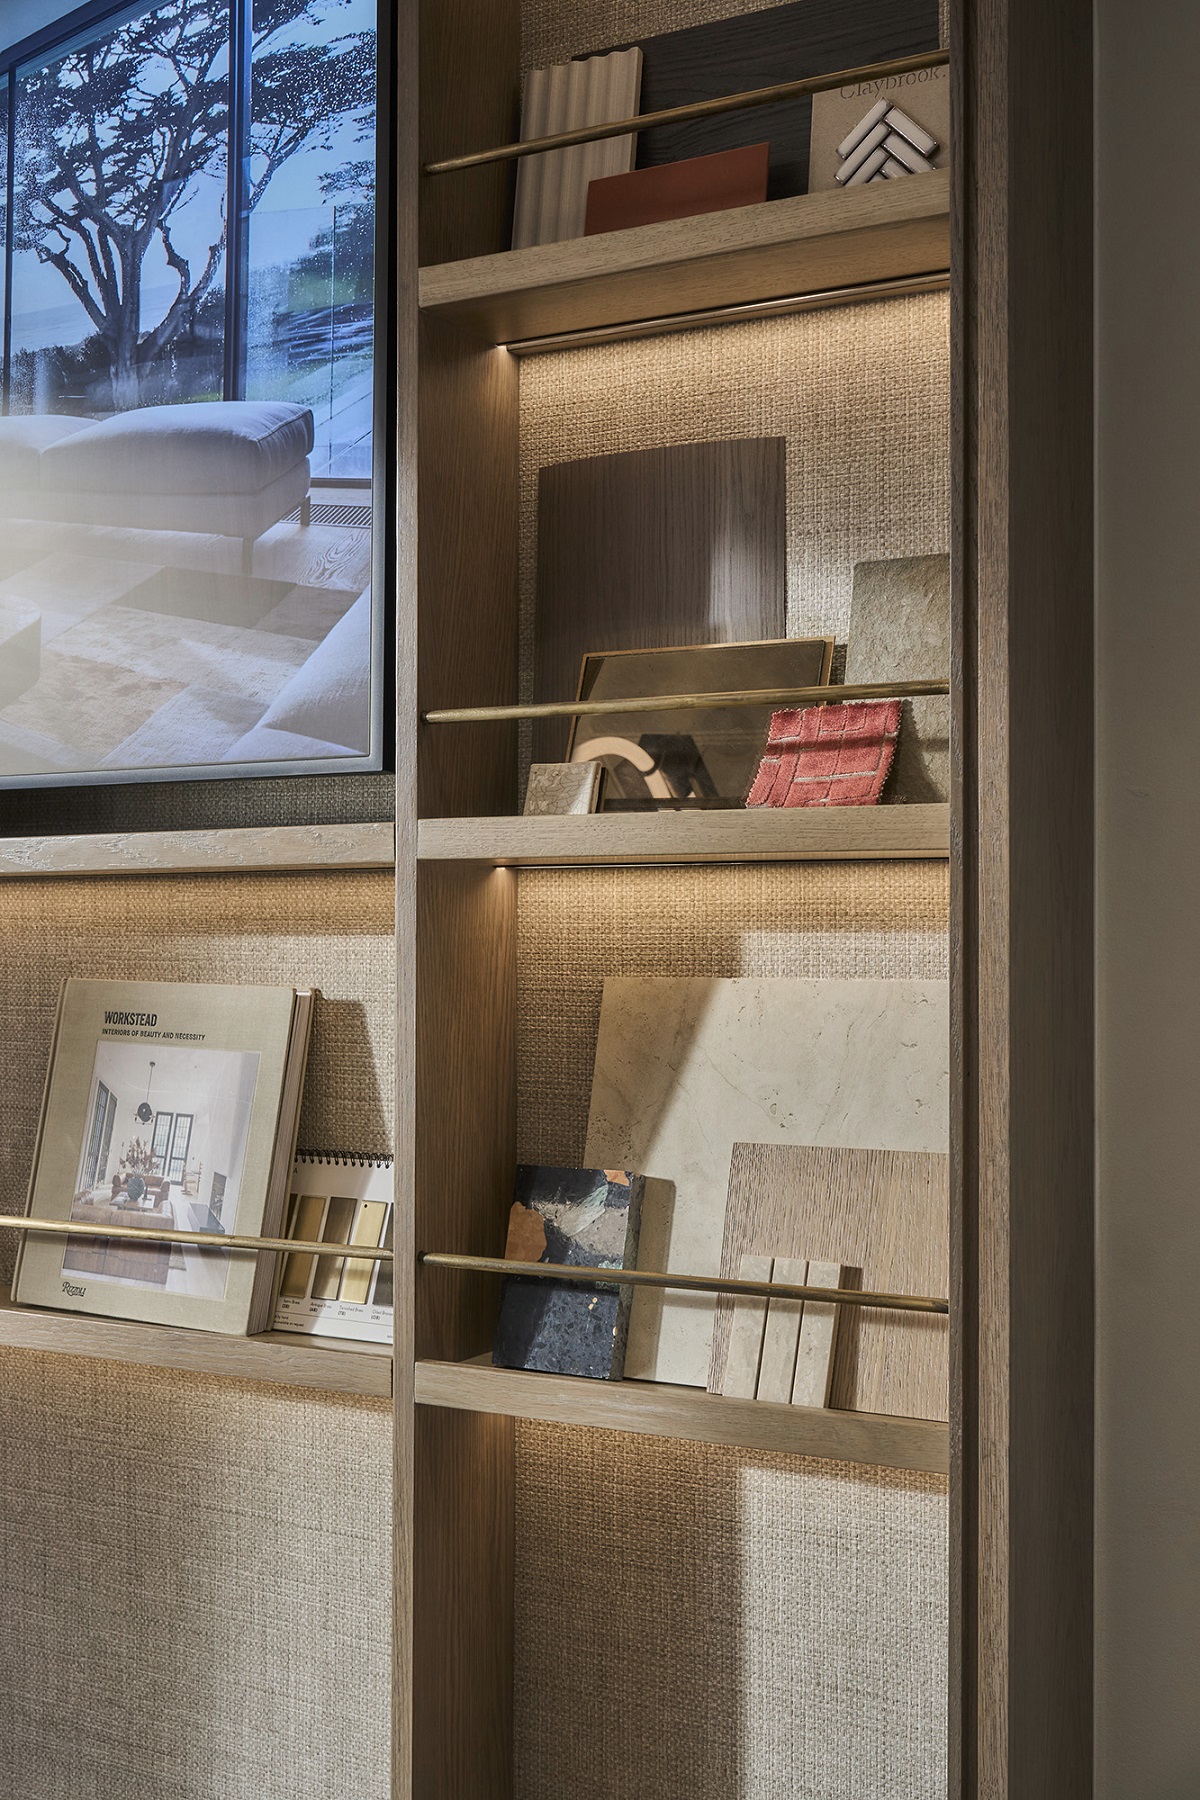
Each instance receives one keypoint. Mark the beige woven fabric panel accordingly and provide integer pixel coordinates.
(731, 1626)
(811, 920)
(195, 1572)
(334, 932)
(861, 394)
(196, 1587)
(553, 30)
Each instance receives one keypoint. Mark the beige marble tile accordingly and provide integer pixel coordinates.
(685, 1068)
(818, 1339)
(744, 1358)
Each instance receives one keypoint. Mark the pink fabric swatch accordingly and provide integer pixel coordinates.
(838, 755)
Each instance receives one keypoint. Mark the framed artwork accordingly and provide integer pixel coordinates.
(702, 757)
(191, 420)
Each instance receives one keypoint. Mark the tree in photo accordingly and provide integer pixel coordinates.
(114, 137)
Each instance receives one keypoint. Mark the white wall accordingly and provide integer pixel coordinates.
(1148, 1543)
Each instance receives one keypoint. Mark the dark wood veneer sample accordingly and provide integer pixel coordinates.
(652, 548)
(754, 50)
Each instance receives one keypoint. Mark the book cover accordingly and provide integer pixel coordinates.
(168, 1107)
(588, 1217)
(339, 1200)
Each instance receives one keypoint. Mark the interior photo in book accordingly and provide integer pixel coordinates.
(164, 1150)
(187, 391)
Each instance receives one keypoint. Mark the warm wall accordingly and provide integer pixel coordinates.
(195, 1572)
(1148, 643)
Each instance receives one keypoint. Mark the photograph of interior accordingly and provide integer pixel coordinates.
(598, 960)
(188, 393)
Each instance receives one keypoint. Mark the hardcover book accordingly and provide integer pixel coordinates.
(588, 1217)
(168, 1107)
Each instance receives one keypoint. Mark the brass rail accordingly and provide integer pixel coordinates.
(206, 1240)
(644, 703)
(698, 1284)
(697, 109)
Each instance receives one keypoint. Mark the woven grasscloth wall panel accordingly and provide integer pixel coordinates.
(861, 394)
(725, 1626)
(553, 30)
(199, 1569)
(195, 1579)
(813, 921)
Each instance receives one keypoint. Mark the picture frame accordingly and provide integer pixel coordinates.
(193, 481)
(702, 758)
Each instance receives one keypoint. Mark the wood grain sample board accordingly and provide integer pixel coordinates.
(653, 548)
(882, 1213)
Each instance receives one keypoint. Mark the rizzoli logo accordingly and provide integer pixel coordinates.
(76, 1293)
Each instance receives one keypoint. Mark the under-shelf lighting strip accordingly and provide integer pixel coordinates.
(694, 1284)
(699, 109)
(738, 313)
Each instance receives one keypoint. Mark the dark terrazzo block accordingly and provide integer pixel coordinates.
(585, 1217)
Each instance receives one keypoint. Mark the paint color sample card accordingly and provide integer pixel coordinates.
(338, 1200)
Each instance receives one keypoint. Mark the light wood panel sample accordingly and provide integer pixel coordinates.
(656, 1410)
(802, 834)
(883, 1213)
(881, 231)
(685, 544)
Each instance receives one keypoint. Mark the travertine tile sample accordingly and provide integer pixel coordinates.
(744, 1356)
(777, 1371)
(817, 1345)
(884, 1214)
(900, 631)
(686, 1068)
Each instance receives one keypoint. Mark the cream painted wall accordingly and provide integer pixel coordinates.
(1148, 642)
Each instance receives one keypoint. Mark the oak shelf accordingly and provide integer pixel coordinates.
(656, 1410)
(281, 1357)
(275, 849)
(809, 834)
(882, 231)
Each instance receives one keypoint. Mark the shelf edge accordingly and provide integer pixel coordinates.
(922, 1445)
(275, 849)
(277, 1358)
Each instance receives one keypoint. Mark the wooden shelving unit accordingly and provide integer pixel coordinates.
(804, 245)
(280, 1357)
(660, 1411)
(810, 835)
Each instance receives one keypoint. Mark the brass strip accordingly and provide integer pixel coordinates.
(698, 109)
(644, 703)
(742, 312)
(698, 1284)
(207, 1240)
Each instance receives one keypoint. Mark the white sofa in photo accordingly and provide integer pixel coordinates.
(233, 468)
